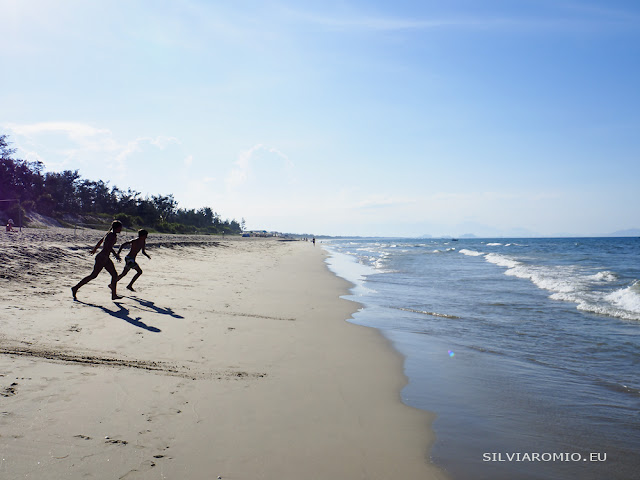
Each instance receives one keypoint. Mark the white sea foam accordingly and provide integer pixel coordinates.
(501, 260)
(569, 283)
(559, 279)
(627, 299)
(350, 268)
(605, 276)
(604, 309)
(471, 253)
(450, 249)
(494, 244)
(379, 263)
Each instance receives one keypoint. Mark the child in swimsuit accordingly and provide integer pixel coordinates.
(137, 245)
(103, 260)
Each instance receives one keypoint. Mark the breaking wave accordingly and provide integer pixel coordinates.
(570, 283)
(471, 253)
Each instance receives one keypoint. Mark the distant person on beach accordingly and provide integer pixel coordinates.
(10, 225)
(314, 241)
(137, 245)
(103, 260)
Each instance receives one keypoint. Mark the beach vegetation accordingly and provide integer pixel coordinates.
(67, 197)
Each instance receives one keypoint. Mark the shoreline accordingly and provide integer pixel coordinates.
(234, 359)
(500, 357)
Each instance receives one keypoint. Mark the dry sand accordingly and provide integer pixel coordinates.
(232, 359)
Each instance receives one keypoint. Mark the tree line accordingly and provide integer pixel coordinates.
(56, 194)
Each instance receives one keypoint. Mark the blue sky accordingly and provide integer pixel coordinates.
(346, 117)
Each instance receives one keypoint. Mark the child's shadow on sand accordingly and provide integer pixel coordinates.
(152, 307)
(123, 314)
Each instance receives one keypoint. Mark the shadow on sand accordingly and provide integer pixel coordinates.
(123, 314)
(151, 306)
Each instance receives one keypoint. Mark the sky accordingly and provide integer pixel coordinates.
(372, 118)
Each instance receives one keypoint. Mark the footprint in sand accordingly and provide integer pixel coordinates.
(10, 390)
(116, 442)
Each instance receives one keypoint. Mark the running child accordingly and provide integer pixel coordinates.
(137, 245)
(103, 260)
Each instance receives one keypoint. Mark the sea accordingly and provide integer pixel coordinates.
(527, 350)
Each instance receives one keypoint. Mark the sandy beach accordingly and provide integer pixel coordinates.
(232, 359)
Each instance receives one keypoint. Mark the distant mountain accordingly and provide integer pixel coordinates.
(479, 230)
(630, 232)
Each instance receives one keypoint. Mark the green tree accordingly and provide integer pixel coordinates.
(53, 193)
(165, 206)
(62, 188)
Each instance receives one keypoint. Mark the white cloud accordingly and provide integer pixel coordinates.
(163, 142)
(260, 165)
(60, 144)
(131, 147)
(561, 19)
(76, 132)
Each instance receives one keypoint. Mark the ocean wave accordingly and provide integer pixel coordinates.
(622, 303)
(547, 279)
(424, 312)
(485, 350)
(570, 284)
(471, 253)
(619, 387)
(607, 310)
(501, 260)
(627, 298)
(494, 244)
(450, 249)
(605, 276)
(379, 264)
